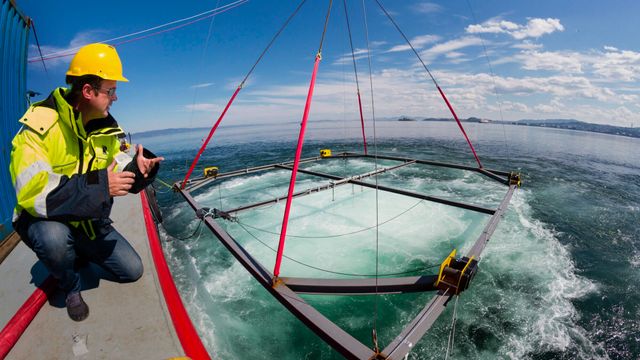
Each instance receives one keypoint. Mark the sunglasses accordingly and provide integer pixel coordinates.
(110, 92)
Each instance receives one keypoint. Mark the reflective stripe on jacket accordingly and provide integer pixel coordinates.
(58, 166)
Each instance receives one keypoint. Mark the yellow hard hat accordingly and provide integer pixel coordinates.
(97, 59)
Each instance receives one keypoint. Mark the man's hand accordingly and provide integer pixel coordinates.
(119, 182)
(146, 165)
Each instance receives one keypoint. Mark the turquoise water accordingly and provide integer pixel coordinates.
(558, 280)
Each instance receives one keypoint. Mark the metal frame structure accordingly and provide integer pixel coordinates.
(286, 289)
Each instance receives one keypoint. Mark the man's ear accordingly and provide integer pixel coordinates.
(88, 91)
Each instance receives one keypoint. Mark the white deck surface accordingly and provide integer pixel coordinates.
(126, 321)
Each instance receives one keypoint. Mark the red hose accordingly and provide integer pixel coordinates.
(11, 333)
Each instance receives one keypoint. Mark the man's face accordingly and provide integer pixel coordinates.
(101, 101)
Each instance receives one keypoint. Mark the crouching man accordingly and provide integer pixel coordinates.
(67, 163)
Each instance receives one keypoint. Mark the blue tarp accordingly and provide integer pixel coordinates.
(14, 39)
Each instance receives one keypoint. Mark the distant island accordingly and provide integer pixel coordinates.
(568, 124)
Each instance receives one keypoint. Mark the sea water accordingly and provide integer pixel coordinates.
(558, 280)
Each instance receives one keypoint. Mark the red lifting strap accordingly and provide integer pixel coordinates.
(294, 172)
(213, 129)
(460, 125)
(364, 138)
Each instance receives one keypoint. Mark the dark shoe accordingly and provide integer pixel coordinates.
(76, 307)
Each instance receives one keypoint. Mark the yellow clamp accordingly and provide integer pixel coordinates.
(444, 264)
(325, 153)
(211, 171)
(514, 179)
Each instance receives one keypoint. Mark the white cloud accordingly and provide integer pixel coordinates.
(200, 86)
(617, 65)
(63, 55)
(566, 94)
(377, 43)
(418, 42)
(348, 57)
(538, 27)
(613, 65)
(493, 26)
(527, 45)
(450, 46)
(427, 8)
(534, 28)
(517, 107)
(567, 62)
(546, 108)
(454, 55)
(207, 107)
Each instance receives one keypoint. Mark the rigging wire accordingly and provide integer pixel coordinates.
(335, 235)
(355, 71)
(183, 238)
(296, 162)
(198, 17)
(35, 35)
(204, 53)
(450, 342)
(444, 97)
(375, 150)
(495, 86)
(273, 39)
(417, 270)
(324, 30)
(215, 126)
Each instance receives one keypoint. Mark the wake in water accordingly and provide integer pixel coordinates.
(519, 305)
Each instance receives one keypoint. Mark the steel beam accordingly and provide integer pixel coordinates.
(416, 195)
(312, 190)
(285, 289)
(362, 286)
(339, 339)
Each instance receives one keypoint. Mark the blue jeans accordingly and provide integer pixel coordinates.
(57, 245)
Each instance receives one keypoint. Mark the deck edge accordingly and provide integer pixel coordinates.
(187, 334)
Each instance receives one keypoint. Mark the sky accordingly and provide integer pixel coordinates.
(501, 60)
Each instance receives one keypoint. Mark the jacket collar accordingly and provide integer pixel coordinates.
(67, 115)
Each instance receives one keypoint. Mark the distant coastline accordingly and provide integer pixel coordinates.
(568, 124)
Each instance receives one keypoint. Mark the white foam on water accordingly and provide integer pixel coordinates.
(321, 216)
(545, 283)
(524, 268)
(635, 259)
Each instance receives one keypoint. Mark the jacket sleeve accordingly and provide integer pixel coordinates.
(140, 181)
(47, 194)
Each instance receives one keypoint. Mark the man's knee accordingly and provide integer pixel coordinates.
(133, 270)
(51, 239)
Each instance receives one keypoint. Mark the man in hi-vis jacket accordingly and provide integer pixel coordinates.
(68, 161)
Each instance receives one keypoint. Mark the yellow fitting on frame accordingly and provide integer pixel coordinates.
(444, 264)
(514, 179)
(211, 171)
(325, 153)
(464, 269)
(275, 281)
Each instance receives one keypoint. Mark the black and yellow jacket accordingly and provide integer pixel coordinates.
(59, 167)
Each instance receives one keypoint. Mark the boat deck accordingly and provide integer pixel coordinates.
(125, 320)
